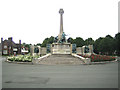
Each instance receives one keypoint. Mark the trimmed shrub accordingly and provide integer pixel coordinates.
(22, 58)
(99, 58)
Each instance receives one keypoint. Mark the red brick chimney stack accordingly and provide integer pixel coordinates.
(10, 38)
(1, 40)
(19, 41)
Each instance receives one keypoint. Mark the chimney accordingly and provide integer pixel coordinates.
(19, 41)
(10, 38)
(1, 40)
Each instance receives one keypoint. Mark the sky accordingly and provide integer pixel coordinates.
(31, 21)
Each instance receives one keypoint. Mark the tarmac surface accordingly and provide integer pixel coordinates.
(59, 76)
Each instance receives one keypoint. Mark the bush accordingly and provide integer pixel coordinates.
(11, 58)
(99, 58)
(22, 58)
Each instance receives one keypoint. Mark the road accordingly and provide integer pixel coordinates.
(59, 76)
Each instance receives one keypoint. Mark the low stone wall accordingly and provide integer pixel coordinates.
(43, 51)
(36, 61)
(85, 60)
(80, 50)
(16, 62)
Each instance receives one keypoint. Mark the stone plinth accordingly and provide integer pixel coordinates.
(43, 51)
(79, 50)
(61, 48)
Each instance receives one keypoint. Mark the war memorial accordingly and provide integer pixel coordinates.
(59, 66)
(60, 51)
(60, 44)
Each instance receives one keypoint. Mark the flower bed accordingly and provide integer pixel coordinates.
(22, 58)
(99, 58)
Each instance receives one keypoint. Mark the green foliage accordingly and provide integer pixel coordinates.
(86, 49)
(22, 58)
(36, 50)
(99, 58)
(89, 41)
(44, 42)
(96, 45)
(27, 46)
(107, 45)
(47, 41)
(38, 44)
(70, 40)
(50, 40)
(117, 43)
(103, 45)
(12, 58)
(78, 41)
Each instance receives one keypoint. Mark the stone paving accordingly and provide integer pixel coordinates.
(60, 59)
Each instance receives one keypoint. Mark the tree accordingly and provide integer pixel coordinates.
(36, 50)
(109, 36)
(89, 41)
(23, 44)
(78, 41)
(70, 40)
(96, 45)
(26, 46)
(44, 42)
(117, 43)
(47, 41)
(107, 45)
(38, 44)
(50, 40)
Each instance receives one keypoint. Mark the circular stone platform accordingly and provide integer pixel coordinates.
(60, 59)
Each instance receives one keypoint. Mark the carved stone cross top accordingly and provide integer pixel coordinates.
(61, 11)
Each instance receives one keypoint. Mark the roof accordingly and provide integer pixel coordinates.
(12, 42)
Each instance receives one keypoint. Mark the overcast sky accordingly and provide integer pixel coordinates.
(34, 20)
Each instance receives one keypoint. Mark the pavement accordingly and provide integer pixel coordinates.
(60, 59)
(59, 76)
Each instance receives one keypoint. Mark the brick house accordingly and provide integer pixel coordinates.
(9, 47)
(0, 49)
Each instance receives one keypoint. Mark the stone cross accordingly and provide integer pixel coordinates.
(61, 11)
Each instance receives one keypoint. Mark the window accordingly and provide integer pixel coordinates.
(14, 49)
(5, 46)
(9, 47)
(5, 52)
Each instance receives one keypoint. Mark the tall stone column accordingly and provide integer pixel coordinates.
(32, 50)
(61, 24)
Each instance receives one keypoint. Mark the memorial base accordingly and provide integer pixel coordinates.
(58, 48)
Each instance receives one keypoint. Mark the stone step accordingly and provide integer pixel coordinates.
(60, 59)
